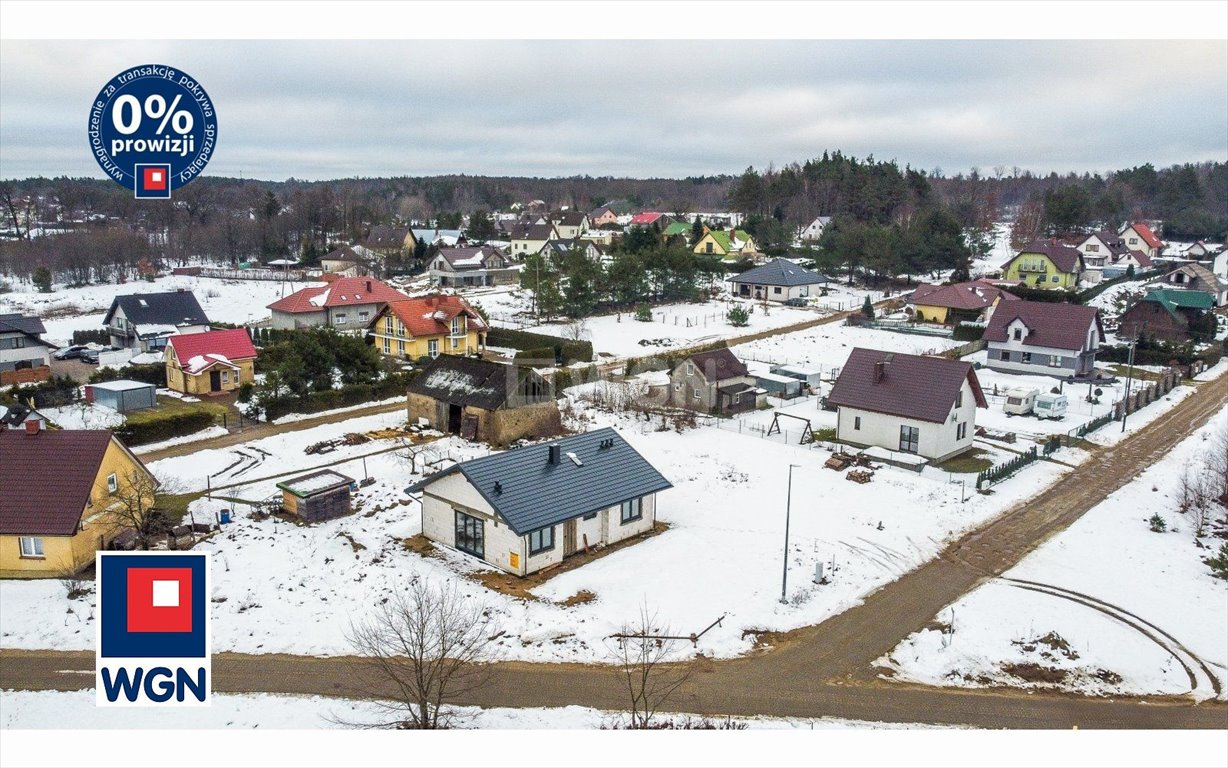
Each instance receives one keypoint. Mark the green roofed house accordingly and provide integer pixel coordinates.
(1171, 315)
(529, 508)
(729, 245)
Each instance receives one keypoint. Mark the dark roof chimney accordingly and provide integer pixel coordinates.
(556, 453)
(880, 371)
(368, 286)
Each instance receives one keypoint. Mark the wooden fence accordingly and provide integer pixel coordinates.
(25, 375)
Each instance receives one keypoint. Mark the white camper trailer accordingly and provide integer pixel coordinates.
(1050, 406)
(1020, 401)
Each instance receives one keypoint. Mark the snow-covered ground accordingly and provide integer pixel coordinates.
(76, 709)
(1109, 555)
(828, 346)
(65, 310)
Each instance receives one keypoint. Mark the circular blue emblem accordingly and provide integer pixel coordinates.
(152, 129)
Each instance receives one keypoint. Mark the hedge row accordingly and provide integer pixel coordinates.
(56, 391)
(1157, 353)
(563, 350)
(154, 373)
(99, 336)
(153, 427)
(352, 394)
(968, 332)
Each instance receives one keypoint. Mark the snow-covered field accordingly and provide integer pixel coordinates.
(65, 310)
(76, 709)
(1112, 556)
(828, 346)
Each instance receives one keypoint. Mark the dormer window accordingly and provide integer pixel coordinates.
(1017, 334)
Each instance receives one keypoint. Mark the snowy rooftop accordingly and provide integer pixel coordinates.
(121, 385)
(315, 482)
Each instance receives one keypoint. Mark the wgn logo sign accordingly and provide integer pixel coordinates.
(153, 634)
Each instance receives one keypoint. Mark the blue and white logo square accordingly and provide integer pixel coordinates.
(153, 629)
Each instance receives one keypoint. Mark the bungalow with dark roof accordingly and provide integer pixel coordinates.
(527, 509)
(483, 400)
(61, 505)
(1045, 264)
(713, 382)
(778, 280)
(1044, 337)
(908, 403)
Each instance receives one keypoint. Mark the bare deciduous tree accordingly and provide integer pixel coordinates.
(640, 650)
(423, 649)
(132, 504)
(1217, 464)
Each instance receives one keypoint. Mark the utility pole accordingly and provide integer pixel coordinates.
(1125, 403)
(784, 579)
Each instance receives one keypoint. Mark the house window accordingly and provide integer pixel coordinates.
(456, 329)
(364, 317)
(112, 483)
(1027, 357)
(708, 248)
(690, 369)
(387, 346)
(776, 289)
(737, 397)
(470, 534)
(455, 342)
(432, 347)
(401, 347)
(1006, 355)
(541, 540)
(961, 431)
(1017, 334)
(1056, 278)
(225, 377)
(388, 325)
(339, 318)
(698, 396)
(856, 422)
(1093, 248)
(591, 516)
(959, 399)
(632, 510)
(910, 439)
(400, 328)
(31, 546)
(1055, 361)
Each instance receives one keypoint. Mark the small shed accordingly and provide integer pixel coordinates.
(779, 386)
(123, 395)
(318, 496)
(811, 377)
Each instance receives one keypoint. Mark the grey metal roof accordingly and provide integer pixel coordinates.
(780, 272)
(32, 326)
(177, 308)
(535, 493)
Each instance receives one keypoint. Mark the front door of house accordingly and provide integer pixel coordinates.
(569, 537)
(215, 381)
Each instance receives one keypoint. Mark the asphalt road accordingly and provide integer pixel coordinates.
(825, 670)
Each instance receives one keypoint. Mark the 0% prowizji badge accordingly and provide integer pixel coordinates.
(152, 129)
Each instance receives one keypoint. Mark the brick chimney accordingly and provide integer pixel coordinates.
(33, 426)
(880, 371)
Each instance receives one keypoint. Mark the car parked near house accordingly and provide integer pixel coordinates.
(69, 353)
(92, 354)
(797, 301)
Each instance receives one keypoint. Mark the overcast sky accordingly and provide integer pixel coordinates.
(331, 109)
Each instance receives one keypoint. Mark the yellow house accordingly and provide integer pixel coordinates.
(210, 363)
(428, 326)
(729, 245)
(68, 493)
(1045, 264)
(950, 304)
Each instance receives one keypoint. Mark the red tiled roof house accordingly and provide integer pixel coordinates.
(428, 326)
(347, 303)
(907, 403)
(210, 363)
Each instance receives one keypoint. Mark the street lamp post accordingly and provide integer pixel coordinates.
(784, 578)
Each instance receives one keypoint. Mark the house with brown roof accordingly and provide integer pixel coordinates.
(602, 216)
(530, 239)
(713, 382)
(972, 301)
(60, 505)
(1196, 277)
(908, 403)
(347, 303)
(483, 400)
(1045, 264)
(428, 326)
(1044, 337)
(210, 363)
(570, 224)
(395, 244)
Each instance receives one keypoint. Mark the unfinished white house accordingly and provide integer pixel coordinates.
(529, 508)
(912, 404)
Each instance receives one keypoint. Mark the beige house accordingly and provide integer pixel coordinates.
(210, 363)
